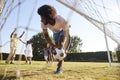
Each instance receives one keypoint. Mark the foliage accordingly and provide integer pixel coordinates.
(88, 57)
(118, 55)
(118, 48)
(74, 57)
(39, 43)
(75, 45)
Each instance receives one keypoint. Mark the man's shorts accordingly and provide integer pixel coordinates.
(56, 36)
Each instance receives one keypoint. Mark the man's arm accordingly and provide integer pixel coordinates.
(46, 35)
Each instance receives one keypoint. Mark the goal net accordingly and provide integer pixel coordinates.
(100, 13)
(104, 14)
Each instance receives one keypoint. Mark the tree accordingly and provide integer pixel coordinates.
(39, 43)
(75, 45)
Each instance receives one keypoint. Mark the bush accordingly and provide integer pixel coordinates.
(88, 57)
(76, 57)
(118, 55)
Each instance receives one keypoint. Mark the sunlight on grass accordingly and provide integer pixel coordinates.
(39, 70)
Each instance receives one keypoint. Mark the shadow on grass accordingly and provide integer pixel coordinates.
(30, 73)
(7, 77)
(2, 64)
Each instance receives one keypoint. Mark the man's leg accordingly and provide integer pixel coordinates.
(61, 40)
(59, 67)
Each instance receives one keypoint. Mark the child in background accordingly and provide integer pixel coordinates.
(28, 52)
(47, 54)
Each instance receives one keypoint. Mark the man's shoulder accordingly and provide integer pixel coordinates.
(59, 18)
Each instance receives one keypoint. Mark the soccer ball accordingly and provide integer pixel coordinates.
(60, 54)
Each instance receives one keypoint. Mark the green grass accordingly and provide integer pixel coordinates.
(71, 71)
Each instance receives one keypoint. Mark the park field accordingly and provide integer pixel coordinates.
(39, 70)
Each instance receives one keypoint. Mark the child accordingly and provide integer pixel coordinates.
(58, 25)
(48, 54)
(28, 51)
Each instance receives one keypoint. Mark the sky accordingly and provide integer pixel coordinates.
(92, 38)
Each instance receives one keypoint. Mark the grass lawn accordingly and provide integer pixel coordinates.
(39, 70)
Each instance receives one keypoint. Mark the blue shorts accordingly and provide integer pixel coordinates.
(56, 36)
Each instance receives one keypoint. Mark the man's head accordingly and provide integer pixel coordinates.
(47, 14)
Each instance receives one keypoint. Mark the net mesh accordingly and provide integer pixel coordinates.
(104, 14)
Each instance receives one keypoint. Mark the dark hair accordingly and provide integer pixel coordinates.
(47, 11)
(28, 42)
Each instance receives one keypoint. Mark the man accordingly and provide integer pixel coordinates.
(13, 46)
(57, 24)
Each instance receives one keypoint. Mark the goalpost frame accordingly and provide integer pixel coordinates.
(107, 46)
